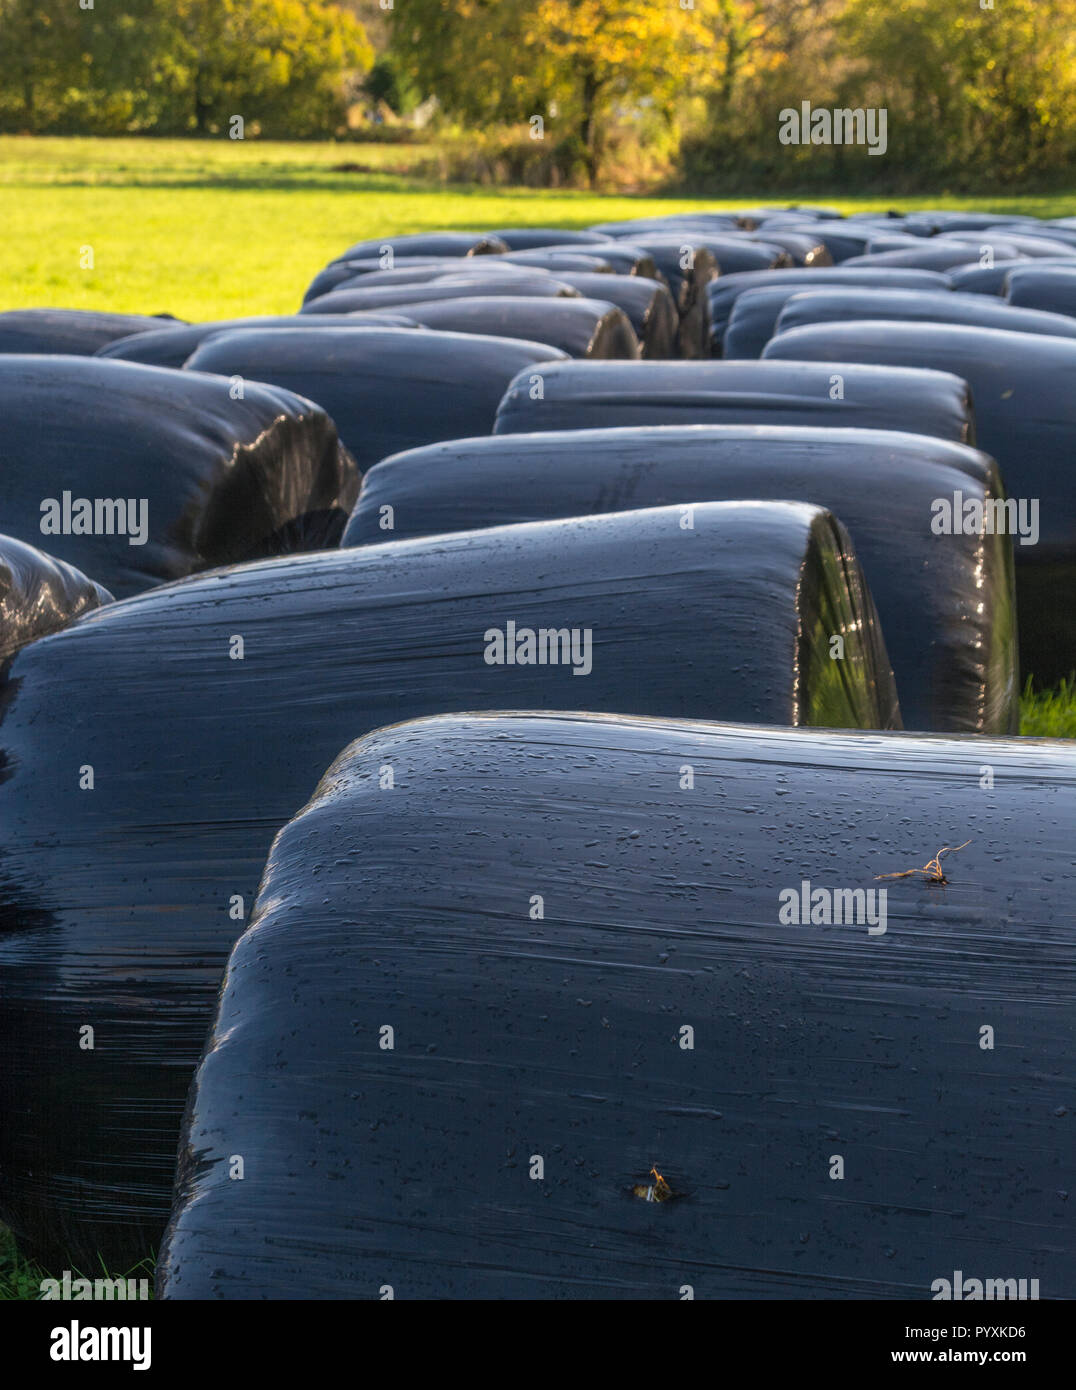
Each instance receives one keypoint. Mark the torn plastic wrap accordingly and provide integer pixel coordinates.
(74, 332)
(478, 1016)
(946, 603)
(173, 346)
(39, 595)
(724, 294)
(1025, 407)
(579, 327)
(120, 902)
(386, 388)
(137, 475)
(600, 395)
(832, 305)
(647, 303)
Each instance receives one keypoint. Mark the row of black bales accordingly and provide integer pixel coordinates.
(695, 528)
(125, 898)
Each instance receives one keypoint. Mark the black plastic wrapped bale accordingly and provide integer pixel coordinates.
(934, 255)
(1042, 287)
(946, 603)
(724, 293)
(137, 475)
(579, 327)
(687, 268)
(647, 303)
(339, 271)
(602, 395)
(39, 595)
(604, 1008)
(350, 298)
(425, 244)
(623, 256)
(386, 388)
(634, 227)
(835, 305)
(119, 903)
(1025, 410)
(172, 347)
(534, 238)
(423, 273)
(73, 332)
(556, 258)
(978, 279)
(805, 249)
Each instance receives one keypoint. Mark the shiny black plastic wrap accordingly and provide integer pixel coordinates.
(353, 296)
(579, 327)
(459, 244)
(74, 332)
(647, 303)
(687, 267)
(39, 595)
(1025, 408)
(946, 603)
(934, 254)
(476, 1018)
(724, 293)
(172, 346)
(600, 395)
(843, 305)
(386, 388)
(1034, 286)
(138, 475)
(119, 902)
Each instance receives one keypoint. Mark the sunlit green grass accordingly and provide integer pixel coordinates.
(214, 228)
(1049, 713)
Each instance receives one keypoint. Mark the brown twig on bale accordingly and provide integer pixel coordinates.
(932, 868)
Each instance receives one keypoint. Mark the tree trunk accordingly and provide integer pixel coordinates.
(588, 131)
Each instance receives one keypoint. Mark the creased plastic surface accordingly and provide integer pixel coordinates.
(39, 595)
(115, 904)
(204, 478)
(386, 388)
(1025, 409)
(600, 395)
(946, 603)
(658, 1015)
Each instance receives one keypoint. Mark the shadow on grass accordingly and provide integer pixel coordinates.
(21, 1279)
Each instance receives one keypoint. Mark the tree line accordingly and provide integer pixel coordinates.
(577, 86)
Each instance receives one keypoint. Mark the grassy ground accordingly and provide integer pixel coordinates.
(214, 228)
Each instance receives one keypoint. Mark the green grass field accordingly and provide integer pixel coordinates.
(217, 228)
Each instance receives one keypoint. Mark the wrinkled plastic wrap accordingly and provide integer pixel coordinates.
(118, 905)
(436, 1093)
(599, 395)
(173, 346)
(687, 267)
(137, 475)
(647, 303)
(911, 306)
(76, 332)
(946, 603)
(1025, 408)
(725, 292)
(579, 327)
(39, 595)
(386, 388)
